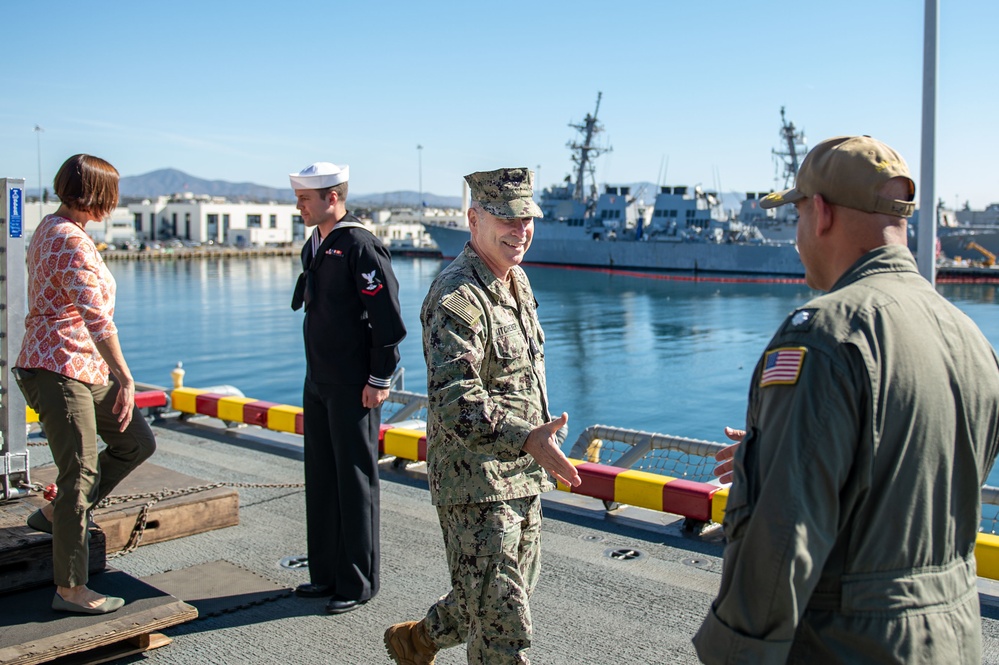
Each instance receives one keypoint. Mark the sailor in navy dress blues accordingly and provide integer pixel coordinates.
(353, 326)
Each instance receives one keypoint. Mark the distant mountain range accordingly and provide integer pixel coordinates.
(165, 182)
(171, 181)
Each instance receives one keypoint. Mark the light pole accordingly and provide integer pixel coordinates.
(38, 135)
(419, 156)
(926, 241)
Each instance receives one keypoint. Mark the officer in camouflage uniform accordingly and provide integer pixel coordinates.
(873, 421)
(490, 436)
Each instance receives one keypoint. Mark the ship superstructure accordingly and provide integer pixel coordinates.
(685, 228)
(779, 223)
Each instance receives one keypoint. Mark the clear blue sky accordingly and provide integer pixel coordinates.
(249, 91)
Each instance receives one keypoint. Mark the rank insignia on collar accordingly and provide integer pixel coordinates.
(782, 367)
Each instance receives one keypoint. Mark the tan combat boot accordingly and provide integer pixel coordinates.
(408, 644)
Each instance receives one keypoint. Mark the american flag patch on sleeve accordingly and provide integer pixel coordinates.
(781, 367)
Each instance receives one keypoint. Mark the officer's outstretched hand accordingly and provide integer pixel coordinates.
(542, 445)
(725, 455)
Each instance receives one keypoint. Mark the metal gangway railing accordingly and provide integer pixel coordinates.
(692, 458)
(647, 451)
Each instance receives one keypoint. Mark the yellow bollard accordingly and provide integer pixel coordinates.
(177, 374)
(593, 451)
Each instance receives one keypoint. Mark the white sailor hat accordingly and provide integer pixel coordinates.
(319, 176)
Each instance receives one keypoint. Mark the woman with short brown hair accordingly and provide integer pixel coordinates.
(72, 372)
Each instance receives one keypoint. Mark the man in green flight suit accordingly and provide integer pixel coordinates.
(873, 422)
(490, 436)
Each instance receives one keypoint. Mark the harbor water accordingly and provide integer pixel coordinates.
(641, 352)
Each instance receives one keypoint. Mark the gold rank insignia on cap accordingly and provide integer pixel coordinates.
(782, 367)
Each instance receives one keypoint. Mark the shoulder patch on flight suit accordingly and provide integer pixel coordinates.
(460, 307)
(782, 367)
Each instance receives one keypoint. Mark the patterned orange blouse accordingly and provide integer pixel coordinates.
(70, 303)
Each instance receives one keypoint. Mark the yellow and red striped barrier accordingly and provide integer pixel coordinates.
(405, 443)
(645, 490)
(634, 488)
(699, 501)
(278, 417)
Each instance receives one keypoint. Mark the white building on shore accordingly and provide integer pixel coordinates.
(117, 228)
(204, 219)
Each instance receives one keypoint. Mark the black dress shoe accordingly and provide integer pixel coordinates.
(313, 590)
(339, 605)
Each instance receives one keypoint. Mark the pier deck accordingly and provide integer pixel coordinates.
(588, 607)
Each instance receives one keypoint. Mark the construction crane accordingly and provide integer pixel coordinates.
(990, 258)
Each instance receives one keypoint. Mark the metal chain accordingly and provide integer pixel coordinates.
(135, 538)
(154, 497)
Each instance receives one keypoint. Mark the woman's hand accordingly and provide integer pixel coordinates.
(124, 403)
(110, 350)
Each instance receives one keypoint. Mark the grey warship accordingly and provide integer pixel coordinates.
(685, 229)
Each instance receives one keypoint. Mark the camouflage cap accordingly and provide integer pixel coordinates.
(849, 171)
(505, 192)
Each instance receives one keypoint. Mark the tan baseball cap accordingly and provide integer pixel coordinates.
(849, 171)
(505, 193)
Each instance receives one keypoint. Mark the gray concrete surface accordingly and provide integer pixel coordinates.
(588, 608)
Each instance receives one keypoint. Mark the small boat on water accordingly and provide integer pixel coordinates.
(685, 229)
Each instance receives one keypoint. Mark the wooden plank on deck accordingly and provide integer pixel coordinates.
(169, 518)
(34, 633)
(26, 554)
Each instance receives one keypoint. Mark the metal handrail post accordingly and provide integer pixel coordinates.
(14, 445)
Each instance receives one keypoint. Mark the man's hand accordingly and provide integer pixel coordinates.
(542, 445)
(372, 397)
(724, 456)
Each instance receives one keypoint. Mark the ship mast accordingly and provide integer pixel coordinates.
(585, 153)
(793, 147)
